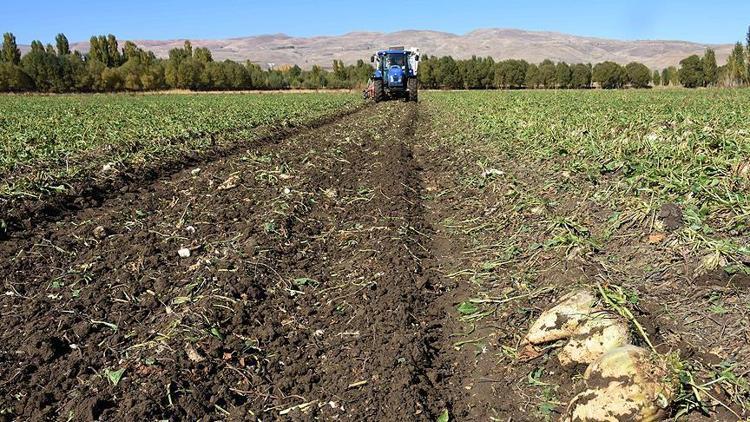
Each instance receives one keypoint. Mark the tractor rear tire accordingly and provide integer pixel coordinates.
(379, 91)
(411, 85)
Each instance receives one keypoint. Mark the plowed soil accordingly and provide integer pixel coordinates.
(309, 290)
(317, 275)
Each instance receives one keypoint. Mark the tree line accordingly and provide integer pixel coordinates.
(107, 67)
(698, 71)
(485, 73)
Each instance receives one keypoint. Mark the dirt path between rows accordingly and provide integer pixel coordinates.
(298, 278)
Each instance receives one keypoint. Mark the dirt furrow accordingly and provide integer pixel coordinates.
(290, 278)
(382, 283)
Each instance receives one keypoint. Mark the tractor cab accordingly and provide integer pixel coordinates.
(395, 74)
(395, 59)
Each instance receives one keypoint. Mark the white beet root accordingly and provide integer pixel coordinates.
(561, 321)
(599, 333)
(623, 384)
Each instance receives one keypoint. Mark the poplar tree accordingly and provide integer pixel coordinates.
(736, 67)
(63, 46)
(10, 53)
(710, 69)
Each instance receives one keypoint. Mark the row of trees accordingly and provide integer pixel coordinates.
(107, 67)
(696, 71)
(703, 71)
(484, 73)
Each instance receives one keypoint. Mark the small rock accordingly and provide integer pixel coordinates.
(108, 167)
(492, 172)
(195, 171)
(100, 232)
(287, 191)
(184, 253)
(193, 354)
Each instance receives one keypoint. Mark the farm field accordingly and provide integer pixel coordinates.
(75, 145)
(642, 193)
(303, 257)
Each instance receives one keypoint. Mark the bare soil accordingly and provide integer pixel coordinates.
(308, 291)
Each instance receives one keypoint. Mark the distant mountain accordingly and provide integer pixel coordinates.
(501, 44)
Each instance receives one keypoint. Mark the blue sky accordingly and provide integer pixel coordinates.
(718, 21)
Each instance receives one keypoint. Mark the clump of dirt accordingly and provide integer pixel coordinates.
(717, 277)
(740, 280)
(671, 216)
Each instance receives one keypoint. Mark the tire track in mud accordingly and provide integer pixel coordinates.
(309, 292)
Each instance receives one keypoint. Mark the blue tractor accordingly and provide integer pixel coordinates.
(395, 75)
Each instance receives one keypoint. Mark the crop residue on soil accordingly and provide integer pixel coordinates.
(386, 265)
(289, 279)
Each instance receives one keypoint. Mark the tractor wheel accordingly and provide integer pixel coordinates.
(411, 85)
(379, 91)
